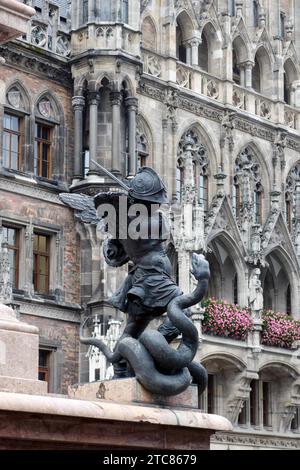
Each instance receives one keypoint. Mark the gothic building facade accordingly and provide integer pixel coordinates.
(207, 92)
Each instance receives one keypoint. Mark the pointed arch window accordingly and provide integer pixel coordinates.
(48, 157)
(16, 114)
(180, 48)
(142, 145)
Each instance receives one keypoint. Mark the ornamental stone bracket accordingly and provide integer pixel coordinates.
(239, 392)
(291, 403)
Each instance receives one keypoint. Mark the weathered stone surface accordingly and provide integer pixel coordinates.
(131, 391)
(33, 422)
(19, 347)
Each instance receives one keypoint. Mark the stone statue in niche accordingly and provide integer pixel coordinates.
(256, 297)
(148, 291)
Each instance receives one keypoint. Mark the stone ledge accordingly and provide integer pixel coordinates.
(131, 391)
(105, 410)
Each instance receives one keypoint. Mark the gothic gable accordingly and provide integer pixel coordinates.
(221, 219)
(276, 235)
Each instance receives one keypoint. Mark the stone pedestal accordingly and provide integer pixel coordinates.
(131, 391)
(19, 347)
(52, 423)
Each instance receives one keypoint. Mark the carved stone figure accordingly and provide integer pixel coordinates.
(256, 298)
(148, 291)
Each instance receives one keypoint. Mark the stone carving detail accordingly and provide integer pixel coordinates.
(213, 89)
(183, 77)
(255, 130)
(171, 102)
(63, 46)
(290, 118)
(227, 129)
(105, 32)
(14, 98)
(14, 56)
(239, 393)
(238, 99)
(39, 36)
(5, 282)
(144, 4)
(45, 108)
(251, 440)
(152, 65)
(264, 109)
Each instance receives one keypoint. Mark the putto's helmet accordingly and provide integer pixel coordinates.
(147, 186)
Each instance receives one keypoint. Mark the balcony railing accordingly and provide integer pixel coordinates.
(245, 99)
(199, 81)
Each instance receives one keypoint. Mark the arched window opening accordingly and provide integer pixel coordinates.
(203, 53)
(180, 48)
(47, 145)
(256, 81)
(15, 129)
(262, 74)
(269, 292)
(142, 149)
(235, 68)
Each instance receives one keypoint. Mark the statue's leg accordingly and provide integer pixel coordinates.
(168, 330)
(135, 327)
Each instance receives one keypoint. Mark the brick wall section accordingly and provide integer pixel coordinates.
(66, 335)
(43, 213)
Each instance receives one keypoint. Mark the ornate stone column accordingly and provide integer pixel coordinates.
(116, 98)
(93, 110)
(78, 103)
(248, 73)
(194, 45)
(132, 107)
